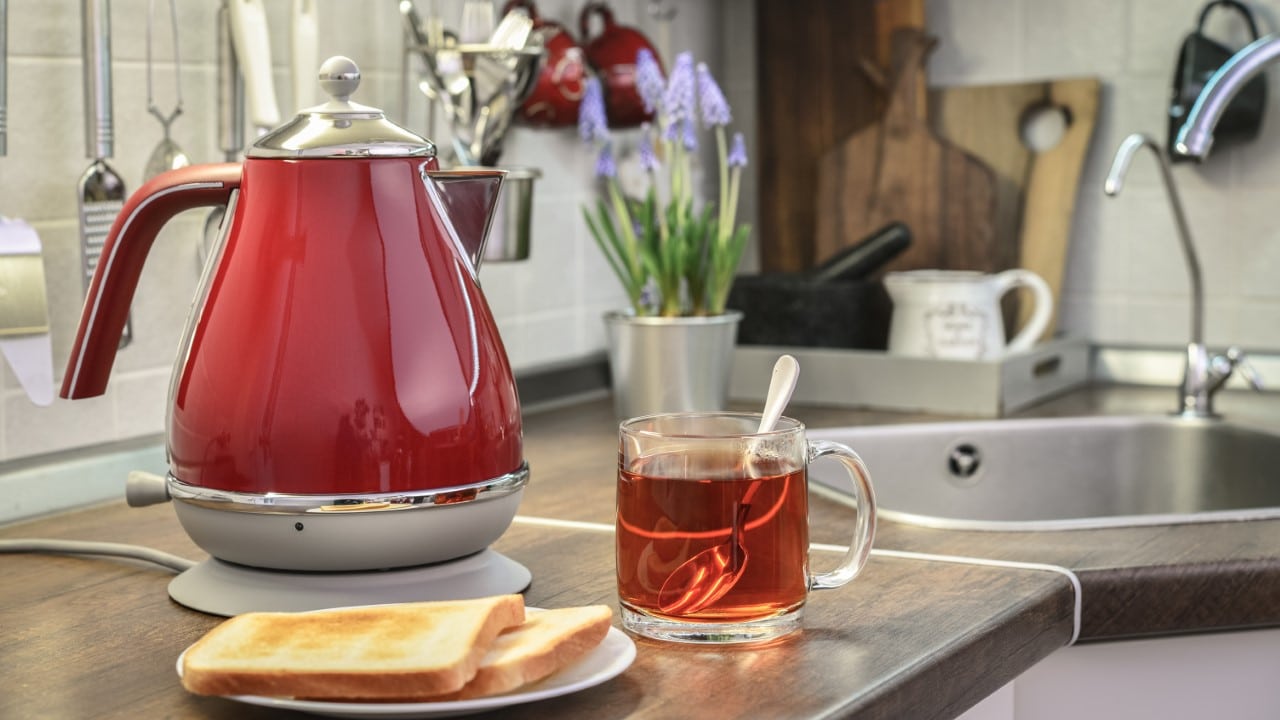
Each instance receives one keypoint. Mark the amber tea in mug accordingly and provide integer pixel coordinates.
(712, 526)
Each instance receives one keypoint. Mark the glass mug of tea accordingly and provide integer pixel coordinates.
(713, 526)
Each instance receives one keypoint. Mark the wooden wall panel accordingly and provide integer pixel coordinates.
(812, 95)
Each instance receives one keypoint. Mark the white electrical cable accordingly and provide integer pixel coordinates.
(79, 547)
(985, 562)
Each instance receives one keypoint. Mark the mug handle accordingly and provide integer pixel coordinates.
(584, 19)
(1035, 327)
(864, 530)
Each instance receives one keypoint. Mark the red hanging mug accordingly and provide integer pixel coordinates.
(557, 95)
(613, 55)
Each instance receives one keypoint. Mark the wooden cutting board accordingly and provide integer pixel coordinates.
(1035, 191)
(899, 169)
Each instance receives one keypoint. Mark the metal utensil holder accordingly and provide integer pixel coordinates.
(480, 88)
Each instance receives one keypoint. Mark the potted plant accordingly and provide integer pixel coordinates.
(675, 255)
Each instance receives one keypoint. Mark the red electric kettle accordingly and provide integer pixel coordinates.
(341, 399)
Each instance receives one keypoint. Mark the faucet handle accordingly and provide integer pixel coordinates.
(1235, 359)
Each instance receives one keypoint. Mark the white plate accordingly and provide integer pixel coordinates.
(613, 655)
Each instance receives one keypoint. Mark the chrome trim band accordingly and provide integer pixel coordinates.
(299, 504)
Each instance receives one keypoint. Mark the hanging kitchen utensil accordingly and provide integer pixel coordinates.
(349, 413)
(253, 52)
(557, 95)
(612, 53)
(4, 76)
(24, 305)
(167, 155)
(303, 52)
(477, 22)
(1198, 59)
(420, 35)
(101, 189)
(230, 122)
(480, 89)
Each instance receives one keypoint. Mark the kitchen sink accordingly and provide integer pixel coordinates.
(1064, 473)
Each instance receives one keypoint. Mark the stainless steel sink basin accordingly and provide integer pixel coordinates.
(1063, 473)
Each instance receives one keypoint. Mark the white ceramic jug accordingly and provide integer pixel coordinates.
(956, 313)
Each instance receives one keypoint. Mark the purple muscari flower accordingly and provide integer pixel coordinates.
(649, 295)
(649, 81)
(648, 158)
(592, 123)
(606, 167)
(671, 131)
(737, 152)
(677, 101)
(690, 136)
(714, 106)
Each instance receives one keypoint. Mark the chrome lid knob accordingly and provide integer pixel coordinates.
(339, 78)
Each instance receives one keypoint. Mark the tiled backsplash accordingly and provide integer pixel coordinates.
(1125, 281)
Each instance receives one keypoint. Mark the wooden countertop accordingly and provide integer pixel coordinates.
(911, 637)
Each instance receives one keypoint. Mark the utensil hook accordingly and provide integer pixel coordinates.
(165, 120)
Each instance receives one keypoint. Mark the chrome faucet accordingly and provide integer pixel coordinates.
(1203, 374)
(1196, 136)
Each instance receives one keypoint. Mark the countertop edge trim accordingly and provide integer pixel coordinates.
(900, 554)
(988, 562)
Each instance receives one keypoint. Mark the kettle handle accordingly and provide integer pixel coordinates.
(106, 307)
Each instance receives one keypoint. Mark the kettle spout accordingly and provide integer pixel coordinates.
(466, 200)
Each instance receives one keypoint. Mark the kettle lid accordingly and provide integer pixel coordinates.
(340, 128)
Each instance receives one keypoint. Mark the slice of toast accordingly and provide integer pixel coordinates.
(546, 643)
(370, 653)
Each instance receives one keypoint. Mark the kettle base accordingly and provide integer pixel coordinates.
(221, 588)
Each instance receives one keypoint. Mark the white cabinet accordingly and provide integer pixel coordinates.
(1231, 675)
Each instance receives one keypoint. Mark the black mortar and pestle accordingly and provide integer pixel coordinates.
(835, 305)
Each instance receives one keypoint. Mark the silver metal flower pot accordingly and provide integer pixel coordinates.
(670, 364)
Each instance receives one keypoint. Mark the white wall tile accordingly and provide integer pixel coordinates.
(962, 60)
(30, 430)
(549, 337)
(142, 402)
(1256, 326)
(1158, 28)
(1253, 239)
(1075, 38)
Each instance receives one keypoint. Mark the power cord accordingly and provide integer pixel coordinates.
(81, 547)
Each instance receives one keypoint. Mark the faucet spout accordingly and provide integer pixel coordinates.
(1112, 187)
(1196, 136)
(1200, 378)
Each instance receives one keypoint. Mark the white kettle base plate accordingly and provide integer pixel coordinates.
(222, 588)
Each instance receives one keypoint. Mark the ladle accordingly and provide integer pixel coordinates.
(167, 155)
(706, 577)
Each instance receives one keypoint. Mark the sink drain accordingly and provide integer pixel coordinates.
(963, 462)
